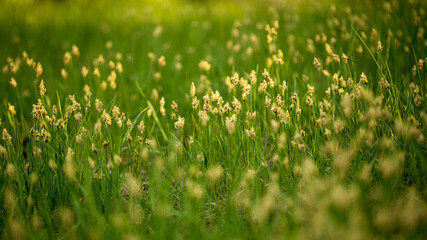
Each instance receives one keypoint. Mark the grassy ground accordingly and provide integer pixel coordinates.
(217, 119)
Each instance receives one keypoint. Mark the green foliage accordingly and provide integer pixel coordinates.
(193, 119)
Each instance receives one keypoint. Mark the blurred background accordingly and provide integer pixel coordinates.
(46, 29)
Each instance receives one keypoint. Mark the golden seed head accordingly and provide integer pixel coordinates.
(162, 61)
(157, 31)
(151, 56)
(174, 106)
(106, 118)
(52, 164)
(10, 170)
(111, 65)
(13, 82)
(67, 58)
(235, 78)
(204, 117)
(11, 109)
(194, 189)
(98, 105)
(117, 159)
(85, 71)
(42, 88)
(64, 73)
(180, 122)
(250, 132)
(204, 66)
(96, 73)
(119, 67)
(157, 76)
(379, 47)
(214, 174)
(75, 50)
(193, 89)
(317, 64)
(230, 123)
(3, 152)
(39, 69)
(97, 127)
(109, 45)
(141, 127)
(69, 169)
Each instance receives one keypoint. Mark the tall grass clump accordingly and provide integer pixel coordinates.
(188, 119)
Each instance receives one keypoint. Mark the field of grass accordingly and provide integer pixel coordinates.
(194, 119)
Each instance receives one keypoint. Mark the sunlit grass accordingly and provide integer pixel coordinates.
(217, 119)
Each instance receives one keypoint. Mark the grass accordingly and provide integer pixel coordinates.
(216, 119)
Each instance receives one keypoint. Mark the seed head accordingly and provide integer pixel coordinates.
(141, 127)
(379, 47)
(193, 90)
(237, 105)
(117, 159)
(179, 123)
(162, 61)
(174, 106)
(106, 118)
(42, 88)
(363, 78)
(96, 73)
(214, 174)
(75, 50)
(69, 169)
(162, 106)
(204, 66)
(38, 109)
(52, 164)
(3, 152)
(39, 69)
(235, 78)
(98, 105)
(67, 58)
(230, 123)
(317, 64)
(194, 189)
(13, 82)
(204, 117)
(250, 132)
(11, 109)
(195, 102)
(64, 73)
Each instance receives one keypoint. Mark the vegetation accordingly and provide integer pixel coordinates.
(218, 119)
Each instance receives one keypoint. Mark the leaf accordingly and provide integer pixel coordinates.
(133, 124)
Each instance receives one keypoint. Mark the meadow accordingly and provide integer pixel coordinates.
(187, 119)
